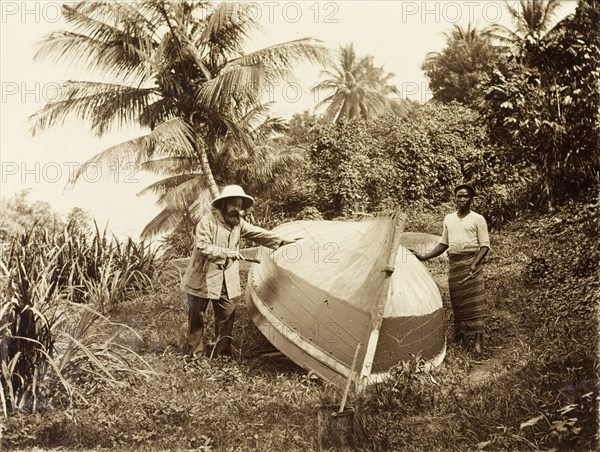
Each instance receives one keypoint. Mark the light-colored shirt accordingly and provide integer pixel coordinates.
(209, 267)
(465, 235)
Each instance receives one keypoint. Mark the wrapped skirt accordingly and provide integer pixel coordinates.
(467, 298)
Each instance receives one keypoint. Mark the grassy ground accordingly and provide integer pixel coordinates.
(535, 387)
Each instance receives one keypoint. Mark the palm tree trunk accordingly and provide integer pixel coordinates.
(206, 170)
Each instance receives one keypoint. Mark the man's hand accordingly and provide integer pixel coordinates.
(475, 268)
(235, 255)
(417, 255)
(289, 242)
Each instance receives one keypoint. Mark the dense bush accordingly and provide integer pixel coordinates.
(369, 166)
(544, 107)
(456, 73)
(340, 166)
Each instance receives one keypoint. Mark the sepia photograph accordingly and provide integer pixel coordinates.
(300, 225)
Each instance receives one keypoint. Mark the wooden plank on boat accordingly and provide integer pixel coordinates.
(377, 314)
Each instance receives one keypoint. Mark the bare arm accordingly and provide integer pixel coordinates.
(439, 249)
(484, 244)
(479, 257)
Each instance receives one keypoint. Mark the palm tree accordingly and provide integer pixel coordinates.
(468, 35)
(180, 71)
(455, 73)
(261, 168)
(532, 19)
(356, 88)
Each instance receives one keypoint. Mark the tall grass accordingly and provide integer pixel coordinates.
(55, 287)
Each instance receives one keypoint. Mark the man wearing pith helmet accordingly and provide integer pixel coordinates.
(465, 236)
(213, 270)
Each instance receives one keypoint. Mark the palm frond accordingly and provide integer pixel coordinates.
(111, 36)
(170, 165)
(122, 14)
(102, 104)
(531, 18)
(163, 186)
(504, 35)
(268, 128)
(240, 83)
(225, 127)
(166, 220)
(279, 60)
(257, 126)
(201, 206)
(326, 85)
(549, 12)
(227, 27)
(158, 112)
(171, 137)
(183, 195)
(266, 170)
(119, 60)
(260, 124)
(188, 198)
(335, 101)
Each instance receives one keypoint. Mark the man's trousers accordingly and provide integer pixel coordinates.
(224, 315)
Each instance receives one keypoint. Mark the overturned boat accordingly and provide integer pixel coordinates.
(345, 284)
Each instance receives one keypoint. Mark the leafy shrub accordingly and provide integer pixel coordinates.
(376, 165)
(409, 390)
(339, 167)
(309, 213)
(298, 203)
(543, 105)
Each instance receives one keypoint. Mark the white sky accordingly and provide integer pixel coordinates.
(399, 34)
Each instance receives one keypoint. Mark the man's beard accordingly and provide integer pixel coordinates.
(233, 218)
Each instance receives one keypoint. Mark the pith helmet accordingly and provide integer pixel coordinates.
(234, 191)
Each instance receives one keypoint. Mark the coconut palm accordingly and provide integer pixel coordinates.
(179, 70)
(532, 18)
(260, 168)
(469, 35)
(355, 88)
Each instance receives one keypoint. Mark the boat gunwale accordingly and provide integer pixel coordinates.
(296, 338)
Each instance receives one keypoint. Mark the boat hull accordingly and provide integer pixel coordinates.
(317, 316)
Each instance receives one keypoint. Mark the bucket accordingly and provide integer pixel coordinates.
(335, 429)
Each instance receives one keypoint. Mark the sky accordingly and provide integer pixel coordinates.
(398, 34)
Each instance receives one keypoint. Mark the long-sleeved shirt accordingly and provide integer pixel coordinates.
(209, 266)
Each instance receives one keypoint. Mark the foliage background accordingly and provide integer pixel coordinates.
(93, 326)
